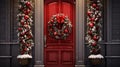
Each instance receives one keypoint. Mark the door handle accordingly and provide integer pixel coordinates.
(45, 41)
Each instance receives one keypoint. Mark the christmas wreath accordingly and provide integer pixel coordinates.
(25, 35)
(59, 27)
(94, 27)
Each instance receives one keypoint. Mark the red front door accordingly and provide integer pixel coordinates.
(59, 53)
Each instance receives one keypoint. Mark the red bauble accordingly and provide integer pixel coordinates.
(29, 36)
(94, 44)
(25, 49)
(94, 51)
(90, 32)
(22, 23)
(66, 31)
(21, 9)
(26, 17)
(27, 32)
(27, 23)
(26, 26)
(24, 44)
(97, 8)
(27, 45)
(92, 19)
(91, 25)
(27, 11)
(94, 5)
(21, 34)
(88, 13)
(95, 38)
(55, 33)
(19, 29)
(28, 4)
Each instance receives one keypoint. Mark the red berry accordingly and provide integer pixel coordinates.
(90, 32)
(26, 17)
(26, 26)
(94, 5)
(91, 25)
(66, 31)
(55, 33)
(94, 51)
(27, 45)
(27, 12)
(92, 19)
(28, 4)
(27, 23)
(29, 36)
(97, 8)
(19, 29)
(94, 44)
(95, 38)
(27, 33)
(22, 23)
(88, 13)
(25, 49)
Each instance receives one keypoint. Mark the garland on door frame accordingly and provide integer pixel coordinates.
(24, 30)
(94, 27)
(59, 27)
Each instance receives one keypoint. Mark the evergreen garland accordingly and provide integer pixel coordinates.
(24, 30)
(94, 25)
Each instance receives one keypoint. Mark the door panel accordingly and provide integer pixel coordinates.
(52, 57)
(67, 57)
(60, 53)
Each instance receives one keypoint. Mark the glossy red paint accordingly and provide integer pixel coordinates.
(59, 53)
